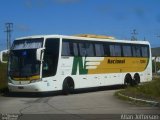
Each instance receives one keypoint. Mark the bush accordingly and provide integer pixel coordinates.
(3, 76)
(153, 66)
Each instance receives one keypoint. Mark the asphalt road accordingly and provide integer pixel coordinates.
(76, 106)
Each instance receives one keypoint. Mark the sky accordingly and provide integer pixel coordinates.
(117, 18)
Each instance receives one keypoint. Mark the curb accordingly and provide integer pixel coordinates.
(154, 103)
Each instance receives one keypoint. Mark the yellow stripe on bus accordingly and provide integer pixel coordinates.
(27, 78)
(120, 65)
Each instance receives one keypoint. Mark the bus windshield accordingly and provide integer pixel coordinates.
(22, 60)
(23, 63)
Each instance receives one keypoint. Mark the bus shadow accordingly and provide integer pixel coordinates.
(59, 93)
(31, 95)
(98, 89)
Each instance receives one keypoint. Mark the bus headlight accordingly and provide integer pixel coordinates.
(33, 81)
(9, 81)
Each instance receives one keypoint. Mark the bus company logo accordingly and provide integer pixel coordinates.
(110, 61)
(81, 65)
(142, 61)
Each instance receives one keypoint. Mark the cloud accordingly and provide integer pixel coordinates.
(32, 4)
(111, 11)
(36, 3)
(158, 18)
(66, 1)
(28, 3)
(105, 8)
(22, 28)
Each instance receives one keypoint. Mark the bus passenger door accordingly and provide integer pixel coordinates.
(50, 60)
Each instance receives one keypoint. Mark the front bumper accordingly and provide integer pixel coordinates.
(32, 87)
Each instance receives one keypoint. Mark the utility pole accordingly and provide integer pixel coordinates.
(155, 65)
(155, 62)
(133, 37)
(9, 29)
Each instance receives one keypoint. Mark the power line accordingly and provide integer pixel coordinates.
(9, 29)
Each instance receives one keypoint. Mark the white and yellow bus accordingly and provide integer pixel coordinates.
(57, 62)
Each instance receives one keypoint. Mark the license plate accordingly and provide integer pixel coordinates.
(20, 87)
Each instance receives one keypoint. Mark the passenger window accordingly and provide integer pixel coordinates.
(106, 50)
(144, 51)
(66, 49)
(82, 49)
(75, 49)
(99, 49)
(127, 52)
(89, 50)
(136, 51)
(115, 50)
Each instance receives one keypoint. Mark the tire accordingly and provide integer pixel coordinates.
(68, 86)
(128, 80)
(136, 79)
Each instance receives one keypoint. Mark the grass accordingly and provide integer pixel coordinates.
(3, 76)
(147, 91)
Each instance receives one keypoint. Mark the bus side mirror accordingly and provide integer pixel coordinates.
(2, 53)
(39, 53)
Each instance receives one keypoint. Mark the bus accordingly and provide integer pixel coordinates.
(47, 63)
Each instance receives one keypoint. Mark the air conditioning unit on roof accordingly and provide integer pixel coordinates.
(95, 36)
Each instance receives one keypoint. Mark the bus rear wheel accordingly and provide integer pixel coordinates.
(68, 86)
(128, 80)
(136, 79)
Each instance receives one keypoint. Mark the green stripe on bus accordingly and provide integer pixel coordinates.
(78, 63)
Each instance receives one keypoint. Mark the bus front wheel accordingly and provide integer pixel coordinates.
(68, 86)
